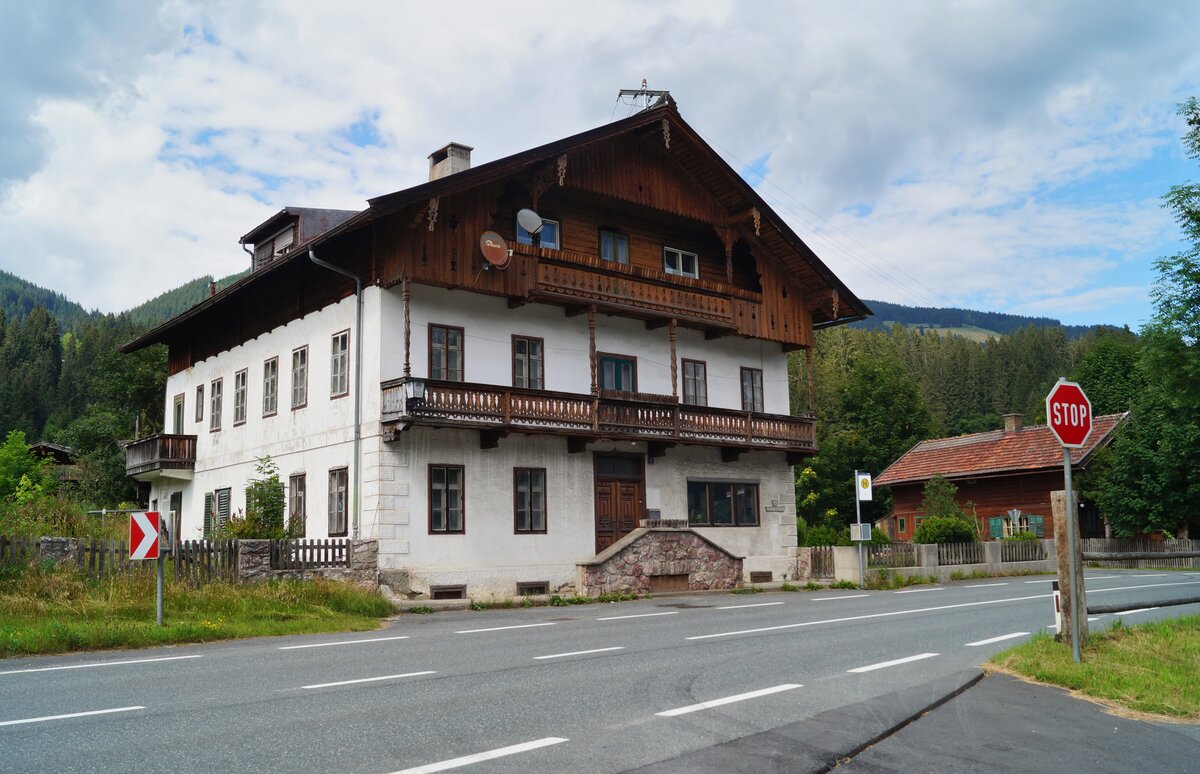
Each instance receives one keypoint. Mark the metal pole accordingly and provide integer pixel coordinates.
(160, 585)
(1072, 546)
(862, 570)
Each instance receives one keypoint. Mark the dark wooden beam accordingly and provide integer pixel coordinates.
(797, 458)
(715, 333)
(515, 301)
(656, 449)
(575, 311)
(653, 325)
(576, 444)
(792, 347)
(730, 454)
(490, 439)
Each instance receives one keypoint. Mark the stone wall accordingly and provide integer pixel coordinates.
(254, 564)
(630, 564)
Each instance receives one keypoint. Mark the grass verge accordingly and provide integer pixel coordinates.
(46, 609)
(1148, 668)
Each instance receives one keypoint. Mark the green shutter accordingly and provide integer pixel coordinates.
(208, 510)
(996, 527)
(1037, 526)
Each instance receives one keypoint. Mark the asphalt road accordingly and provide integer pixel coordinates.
(590, 688)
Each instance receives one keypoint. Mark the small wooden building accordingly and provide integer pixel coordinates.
(1004, 477)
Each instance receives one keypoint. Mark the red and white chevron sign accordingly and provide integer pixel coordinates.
(143, 535)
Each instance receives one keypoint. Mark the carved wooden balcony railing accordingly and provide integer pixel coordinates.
(617, 415)
(160, 452)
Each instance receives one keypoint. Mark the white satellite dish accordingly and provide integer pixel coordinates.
(530, 221)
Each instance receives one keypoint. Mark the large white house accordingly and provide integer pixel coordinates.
(612, 385)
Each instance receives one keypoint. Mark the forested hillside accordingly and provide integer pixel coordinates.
(886, 315)
(18, 299)
(166, 305)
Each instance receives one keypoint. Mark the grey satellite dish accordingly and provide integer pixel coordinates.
(530, 221)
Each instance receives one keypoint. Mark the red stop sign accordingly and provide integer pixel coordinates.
(1069, 414)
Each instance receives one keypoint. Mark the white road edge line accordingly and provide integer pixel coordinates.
(579, 653)
(500, 752)
(343, 642)
(503, 628)
(848, 596)
(892, 663)
(639, 615)
(917, 591)
(1102, 577)
(985, 585)
(1156, 575)
(1043, 580)
(866, 616)
(757, 604)
(1001, 638)
(1138, 610)
(69, 715)
(727, 700)
(98, 664)
(365, 680)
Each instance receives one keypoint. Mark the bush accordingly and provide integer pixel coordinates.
(879, 537)
(827, 536)
(946, 529)
(1025, 536)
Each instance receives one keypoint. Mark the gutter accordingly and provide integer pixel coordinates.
(358, 307)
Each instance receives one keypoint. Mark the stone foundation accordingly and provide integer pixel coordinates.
(629, 565)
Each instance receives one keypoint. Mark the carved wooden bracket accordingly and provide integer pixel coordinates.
(432, 213)
(541, 181)
(666, 129)
(754, 213)
(562, 170)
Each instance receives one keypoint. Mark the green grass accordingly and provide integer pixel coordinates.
(46, 609)
(1147, 668)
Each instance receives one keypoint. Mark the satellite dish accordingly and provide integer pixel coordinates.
(495, 249)
(530, 221)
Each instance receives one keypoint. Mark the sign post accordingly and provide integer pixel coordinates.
(1069, 415)
(144, 537)
(862, 491)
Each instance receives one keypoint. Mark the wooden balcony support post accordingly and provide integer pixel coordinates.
(808, 370)
(406, 296)
(591, 320)
(672, 331)
(728, 236)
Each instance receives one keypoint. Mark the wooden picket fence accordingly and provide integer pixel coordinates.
(200, 561)
(892, 555)
(98, 558)
(822, 561)
(17, 550)
(1022, 551)
(303, 554)
(960, 553)
(1142, 546)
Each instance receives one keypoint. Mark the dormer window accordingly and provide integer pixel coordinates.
(682, 263)
(547, 237)
(270, 249)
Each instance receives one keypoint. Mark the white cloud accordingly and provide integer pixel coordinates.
(955, 144)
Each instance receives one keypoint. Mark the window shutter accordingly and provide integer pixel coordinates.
(208, 512)
(222, 506)
(1037, 525)
(996, 527)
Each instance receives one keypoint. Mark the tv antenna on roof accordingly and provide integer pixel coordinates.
(645, 94)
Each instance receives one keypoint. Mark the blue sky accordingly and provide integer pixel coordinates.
(1000, 156)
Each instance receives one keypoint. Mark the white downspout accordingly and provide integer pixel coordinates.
(357, 383)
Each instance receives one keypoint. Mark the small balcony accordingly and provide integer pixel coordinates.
(171, 456)
(659, 420)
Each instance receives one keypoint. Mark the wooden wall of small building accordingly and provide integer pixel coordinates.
(1030, 493)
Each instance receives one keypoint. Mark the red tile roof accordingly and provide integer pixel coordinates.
(1030, 448)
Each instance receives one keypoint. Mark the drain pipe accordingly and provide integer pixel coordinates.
(357, 381)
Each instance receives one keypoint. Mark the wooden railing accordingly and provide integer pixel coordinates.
(310, 554)
(631, 416)
(614, 290)
(160, 452)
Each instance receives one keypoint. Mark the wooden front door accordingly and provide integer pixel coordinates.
(620, 497)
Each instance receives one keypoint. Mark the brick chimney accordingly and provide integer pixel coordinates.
(455, 157)
(1012, 422)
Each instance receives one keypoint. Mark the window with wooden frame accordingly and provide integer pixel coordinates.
(177, 414)
(681, 263)
(239, 398)
(214, 406)
(527, 362)
(901, 525)
(199, 402)
(617, 372)
(446, 511)
(270, 386)
(752, 389)
(297, 504)
(339, 365)
(446, 356)
(722, 504)
(339, 484)
(300, 377)
(614, 246)
(695, 382)
(529, 500)
(548, 237)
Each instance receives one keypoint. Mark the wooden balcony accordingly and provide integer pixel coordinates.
(173, 456)
(660, 420)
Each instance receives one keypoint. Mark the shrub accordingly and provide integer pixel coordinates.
(1022, 536)
(879, 537)
(827, 536)
(946, 529)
